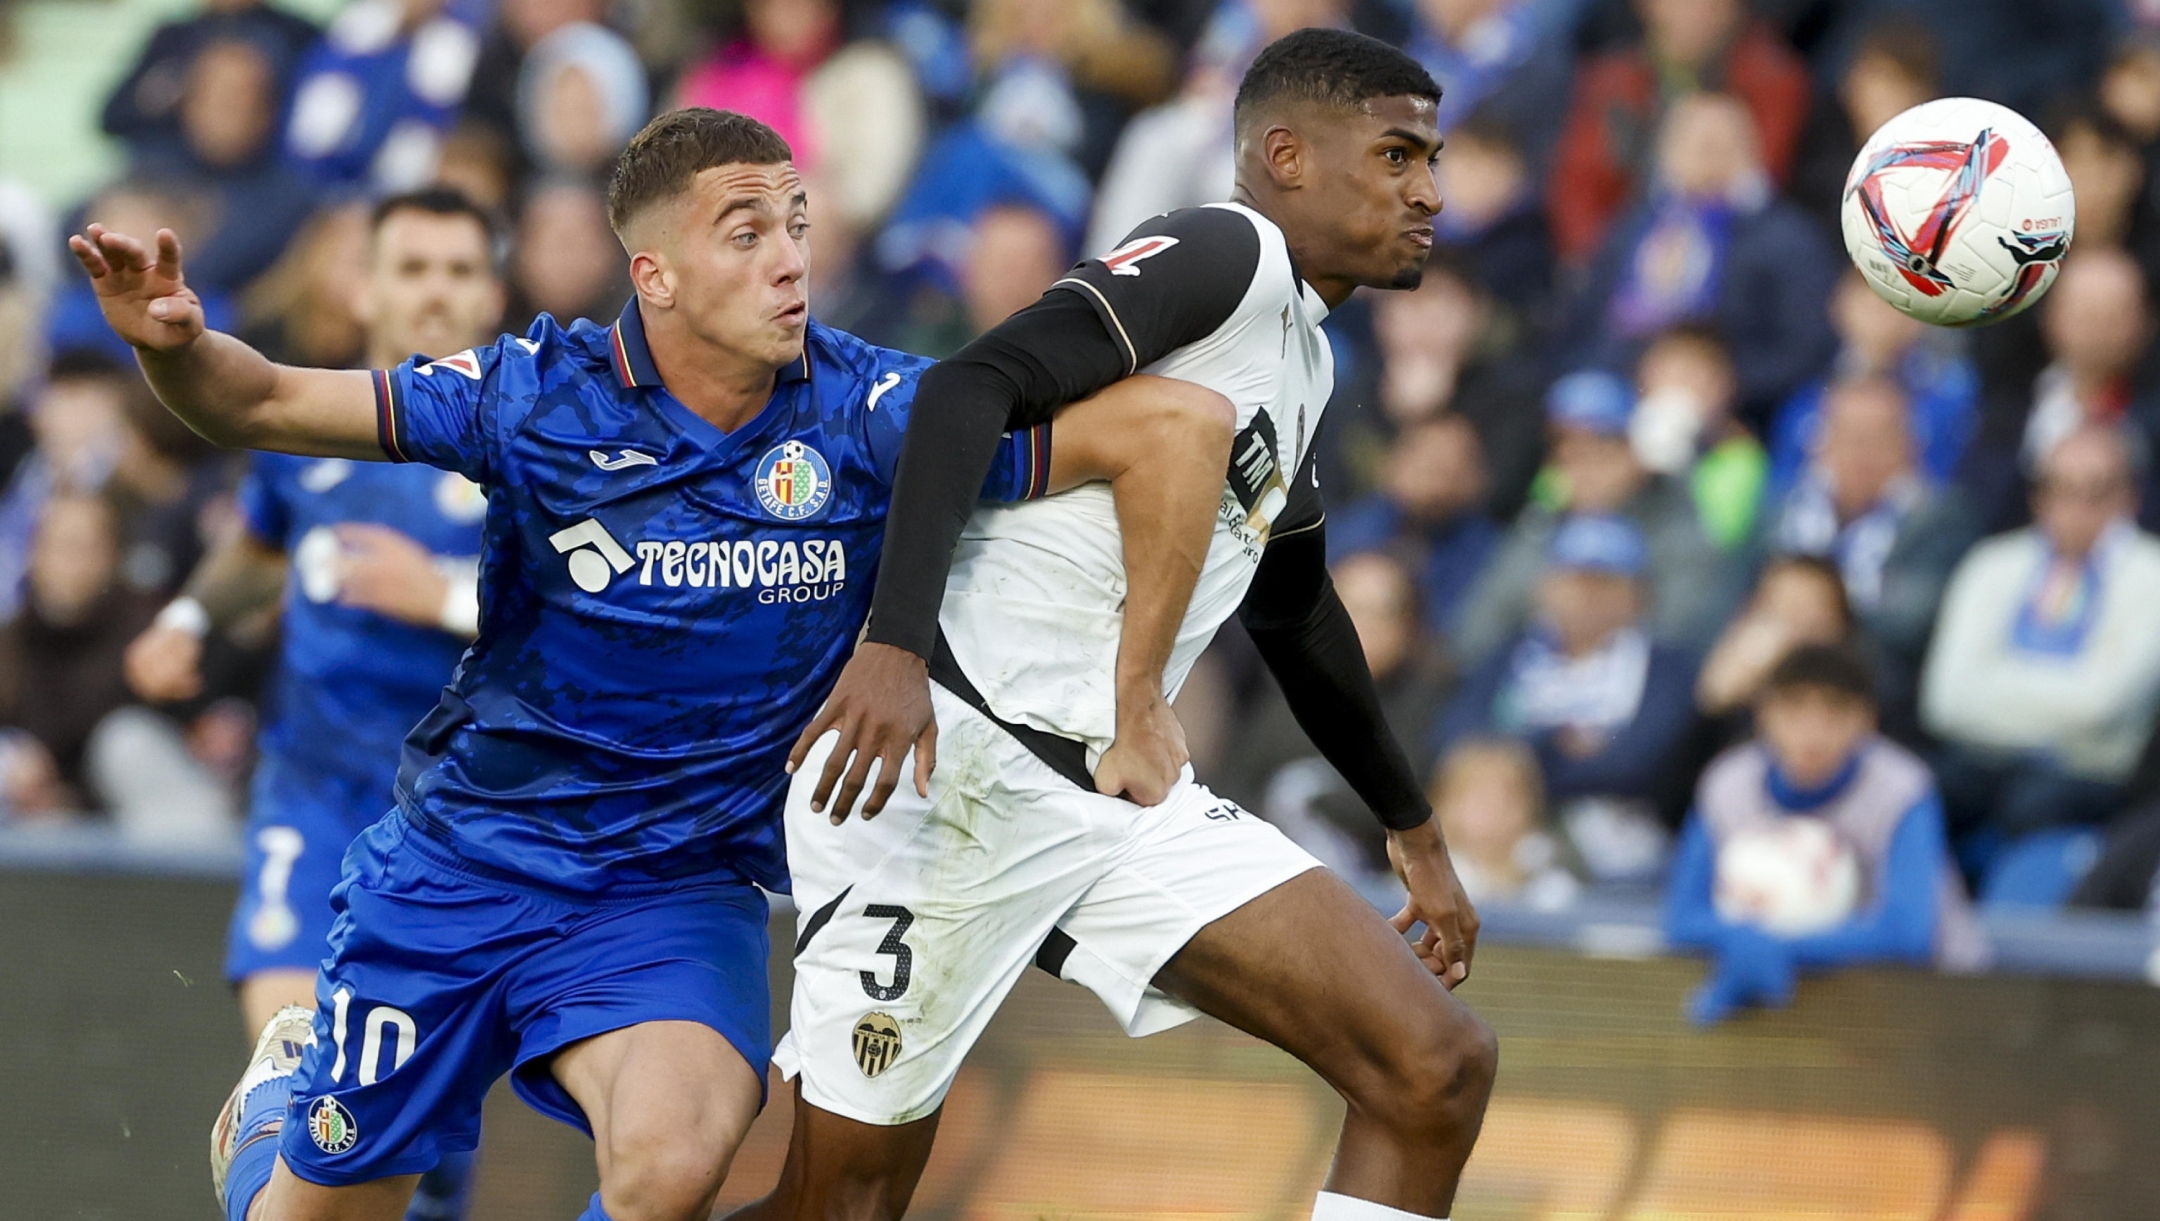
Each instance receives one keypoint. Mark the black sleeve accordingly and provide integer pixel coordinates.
(1175, 281)
(1305, 636)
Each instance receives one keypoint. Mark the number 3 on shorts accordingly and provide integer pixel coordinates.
(903, 958)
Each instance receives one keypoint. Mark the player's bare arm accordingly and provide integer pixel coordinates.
(223, 389)
(1161, 445)
(239, 577)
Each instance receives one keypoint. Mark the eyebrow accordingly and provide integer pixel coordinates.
(756, 203)
(1417, 139)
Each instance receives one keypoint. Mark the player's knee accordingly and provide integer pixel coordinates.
(1440, 1075)
(663, 1177)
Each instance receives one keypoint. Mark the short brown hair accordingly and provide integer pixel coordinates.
(661, 160)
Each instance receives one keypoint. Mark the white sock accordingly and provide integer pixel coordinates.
(1332, 1207)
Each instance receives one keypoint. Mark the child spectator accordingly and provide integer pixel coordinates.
(1605, 710)
(1688, 45)
(1430, 508)
(1690, 584)
(1894, 534)
(1877, 340)
(1710, 242)
(1491, 807)
(1817, 756)
(1683, 427)
(2045, 666)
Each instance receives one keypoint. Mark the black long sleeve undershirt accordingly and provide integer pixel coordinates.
(1054, 352)
(1306, 637)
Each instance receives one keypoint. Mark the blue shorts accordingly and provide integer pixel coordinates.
(444, 975)
(300, 820)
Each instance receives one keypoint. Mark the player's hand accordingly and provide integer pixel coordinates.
(1144, 761)
(142, 294)
(1436, 901)
(383, 571)
(164, 664)
(881, 706)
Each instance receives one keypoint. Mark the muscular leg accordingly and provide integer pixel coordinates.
(265, 992)
(292, 1198)
(1313, 969)
(669, 1102)
(840, 1169)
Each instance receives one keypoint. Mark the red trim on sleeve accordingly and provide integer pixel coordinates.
(387, 418)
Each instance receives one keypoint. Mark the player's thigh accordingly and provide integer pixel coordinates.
(916, 924)
(1311, 967)
(292, 1198)
(265, 992)
(672, 1091)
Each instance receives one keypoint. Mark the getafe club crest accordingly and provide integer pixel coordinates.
(877, 1043)
(793, 481)
(331, 1125)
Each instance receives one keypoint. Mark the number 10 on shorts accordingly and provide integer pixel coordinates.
(404, 1033)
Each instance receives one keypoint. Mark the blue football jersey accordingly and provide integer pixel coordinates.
(663, 605)
(352, 683)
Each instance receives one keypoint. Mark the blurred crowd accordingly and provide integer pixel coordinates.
(1641, 460)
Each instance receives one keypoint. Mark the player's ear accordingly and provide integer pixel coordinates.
(651, 279)
(1285, 155)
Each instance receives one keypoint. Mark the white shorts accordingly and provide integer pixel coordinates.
(912, 927)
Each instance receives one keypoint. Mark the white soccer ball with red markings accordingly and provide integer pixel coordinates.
(1792, 877)
(1958, 212)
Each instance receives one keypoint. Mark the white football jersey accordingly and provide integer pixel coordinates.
(1036, 595)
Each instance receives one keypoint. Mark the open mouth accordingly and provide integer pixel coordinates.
(794, 314)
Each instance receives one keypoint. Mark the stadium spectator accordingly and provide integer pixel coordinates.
(2045, 666)
(1493, 222)
(1894, 534)
(1690, 585)
(78, 428)
(1271, 763)
(1817, 757)
(1798, 600)
(144, 108)
(1430, 510)
(1505, 60)
(301, 311)
(1892, 70)
(372, 100)
(1490, 801)
(566, 261)
(1442, 348)
(1683, 427)
(1876, 340)
(1178, 154)
(581, 95)
(60, 672)
(1014, 253)
(2108, 172)
(1712, 243)
(73, 322)
(1621, 98)
(248, 201)
(761, 68)
(491, 100)
(1604, 708)
(2096, 323)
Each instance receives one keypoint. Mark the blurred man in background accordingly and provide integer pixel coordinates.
(378, 566)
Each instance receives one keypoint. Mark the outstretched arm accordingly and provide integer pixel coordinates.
(222, 388)
(1304, 634)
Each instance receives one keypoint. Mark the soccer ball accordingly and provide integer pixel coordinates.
(1958, 212)
(1791, 877)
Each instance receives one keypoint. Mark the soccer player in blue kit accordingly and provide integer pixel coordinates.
(378, 565)
(684, 512)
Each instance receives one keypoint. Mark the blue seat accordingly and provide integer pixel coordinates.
(2040, 869)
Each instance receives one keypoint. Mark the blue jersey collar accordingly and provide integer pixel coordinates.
(632, 356)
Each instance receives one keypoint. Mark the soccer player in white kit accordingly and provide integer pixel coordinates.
(1167, 901)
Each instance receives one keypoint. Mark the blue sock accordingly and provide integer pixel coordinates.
(262, 1117)
(443, 1191)
(593, 1211)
